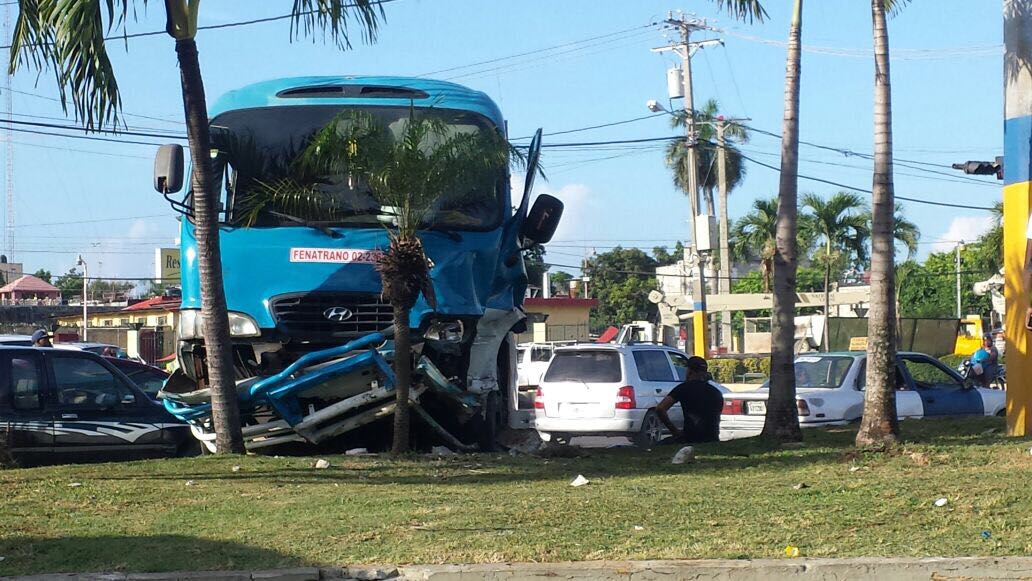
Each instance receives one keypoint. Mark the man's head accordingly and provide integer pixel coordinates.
(697, 368)
(41, 339)
(987, 341)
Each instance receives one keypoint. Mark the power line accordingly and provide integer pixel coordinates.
(866, 191)
(537, 51)
(591, 127)
(92, 221)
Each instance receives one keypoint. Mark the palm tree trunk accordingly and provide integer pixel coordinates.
(827, 295)
(782, 421)
(402, 379)
(880, 425)
(221, 376)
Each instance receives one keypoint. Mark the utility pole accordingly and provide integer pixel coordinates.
(685, 49)
(960, 247)
(724, 284)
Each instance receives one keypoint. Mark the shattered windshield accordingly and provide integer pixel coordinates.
(255, 151)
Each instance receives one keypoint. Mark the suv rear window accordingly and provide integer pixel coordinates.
(588, 366)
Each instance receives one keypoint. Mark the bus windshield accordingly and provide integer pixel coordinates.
(254, 151)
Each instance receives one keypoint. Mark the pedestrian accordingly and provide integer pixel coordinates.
(41, 338)
(701, 405)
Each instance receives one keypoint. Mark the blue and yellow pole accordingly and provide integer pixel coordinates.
(1017, 203)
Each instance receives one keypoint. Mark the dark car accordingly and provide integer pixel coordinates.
(75, 406)
(147, 377)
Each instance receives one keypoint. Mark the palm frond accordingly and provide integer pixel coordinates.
(744, 10)
(67, 38)
(331, 19)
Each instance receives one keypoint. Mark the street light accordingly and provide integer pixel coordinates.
(82, 263)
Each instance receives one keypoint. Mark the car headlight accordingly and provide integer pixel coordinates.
(447, 331)
(191, 325)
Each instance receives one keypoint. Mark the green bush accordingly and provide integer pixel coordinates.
(952, 361)
(724, 370)
(757, 365)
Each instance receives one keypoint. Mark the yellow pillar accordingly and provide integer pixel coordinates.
(1017, 199)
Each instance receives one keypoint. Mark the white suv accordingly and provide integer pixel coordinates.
(608, 390)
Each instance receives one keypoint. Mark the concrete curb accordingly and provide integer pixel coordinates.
(874, 569)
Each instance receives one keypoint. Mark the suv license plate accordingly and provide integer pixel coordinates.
(756, 407)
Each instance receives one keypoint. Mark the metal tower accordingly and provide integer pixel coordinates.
(9, 143)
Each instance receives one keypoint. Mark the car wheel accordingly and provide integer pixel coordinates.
(651, 431)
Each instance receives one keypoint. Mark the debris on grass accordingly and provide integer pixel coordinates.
(235, 469)
(941, 502)
(639, 528)
(791, 551)
(580, 480)
(189, 482)
(442, 451)
(74, 484)
(321, 464)
(920, 458)
(800, 486)
(986, 535)
(357, 452)
(685, 455)
(854, 468)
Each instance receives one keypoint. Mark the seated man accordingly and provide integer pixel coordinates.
(701, 404)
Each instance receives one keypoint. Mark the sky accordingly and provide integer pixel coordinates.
(560, 66)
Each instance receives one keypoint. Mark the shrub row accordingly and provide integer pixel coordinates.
(728, 370)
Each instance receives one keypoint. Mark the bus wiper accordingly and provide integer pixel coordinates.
(314, 225)
(453, 235)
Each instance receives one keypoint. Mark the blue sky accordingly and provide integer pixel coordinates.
(77, 196)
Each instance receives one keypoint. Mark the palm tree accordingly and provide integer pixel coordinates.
(906, 232)
(68, 37)
(706, 153)
(840, 225)
(880, 424)
(782, 420)
(420, 176)
(753, 236)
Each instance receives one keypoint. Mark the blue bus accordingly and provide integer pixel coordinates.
(311, 333)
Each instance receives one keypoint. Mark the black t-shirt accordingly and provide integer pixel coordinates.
(701, 404)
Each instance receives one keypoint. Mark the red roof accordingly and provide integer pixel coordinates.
(560, 302)
(161, 303)
(30, 284)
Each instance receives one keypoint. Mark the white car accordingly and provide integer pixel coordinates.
(830, 391)
(609, 390)
(531, 363)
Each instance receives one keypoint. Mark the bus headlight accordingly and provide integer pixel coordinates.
(191, 325)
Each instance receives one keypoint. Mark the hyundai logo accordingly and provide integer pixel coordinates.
(338, 314)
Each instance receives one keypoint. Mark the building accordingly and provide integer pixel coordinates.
(557, 319)
(145, 328)
(29, 290)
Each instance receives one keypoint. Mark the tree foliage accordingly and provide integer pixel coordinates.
(621, 280)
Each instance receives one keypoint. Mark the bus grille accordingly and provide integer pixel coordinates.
(331, 316)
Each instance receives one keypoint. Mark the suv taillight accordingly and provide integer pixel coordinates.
(732, 407)
(539, 400)
(625, 398)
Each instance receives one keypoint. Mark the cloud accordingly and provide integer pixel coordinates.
(966, 228)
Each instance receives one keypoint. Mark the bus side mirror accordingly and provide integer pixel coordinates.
(168, 169)
(542, 220)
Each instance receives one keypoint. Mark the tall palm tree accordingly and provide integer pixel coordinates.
(753, 236)
(782, 420)
(68, 38)
(706, 153)
(905, 232)
(840, 227)
(880, 424)
(421, 175)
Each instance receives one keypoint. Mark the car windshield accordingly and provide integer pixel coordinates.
(586, 366)
(821, 371)
(256, 153)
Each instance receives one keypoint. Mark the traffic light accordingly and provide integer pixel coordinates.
(982, 168)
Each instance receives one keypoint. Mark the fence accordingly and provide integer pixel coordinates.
(557, 333)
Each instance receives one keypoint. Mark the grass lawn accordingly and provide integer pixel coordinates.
(739, 500)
